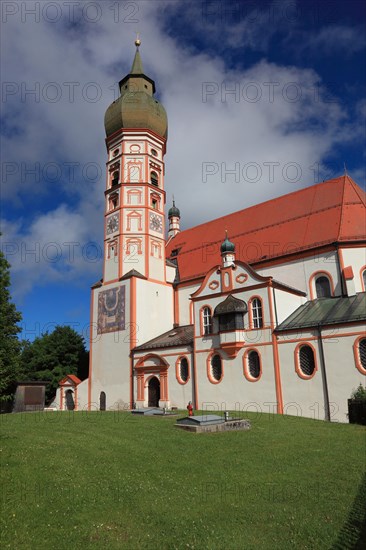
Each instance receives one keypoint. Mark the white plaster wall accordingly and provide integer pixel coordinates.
(300, 397)
(154, 309)
(298, 272)
(286, 303)
(235, 391)
(110, 363)
(356, 257)
(157, 267)
(184, 294)
(342, 374)
(111, 267)
(170, 273)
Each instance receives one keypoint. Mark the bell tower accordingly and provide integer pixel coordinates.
(136, 131)
(133, 302)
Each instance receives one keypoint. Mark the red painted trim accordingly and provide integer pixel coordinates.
(362, 270)
(246, 372)
(312, 281)
(297, 361)
(356, 352)
(276, 358)
(91, 350)
(194, 367)
(133, 340)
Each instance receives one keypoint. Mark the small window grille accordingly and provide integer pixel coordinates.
(254, 366)
(216, 367)
(307, 360)
(183, 369)
(362, 352)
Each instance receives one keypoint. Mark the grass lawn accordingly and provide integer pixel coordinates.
(112, 480)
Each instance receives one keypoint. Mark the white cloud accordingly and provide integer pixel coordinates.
(294, 129)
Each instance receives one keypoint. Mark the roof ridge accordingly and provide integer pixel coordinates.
(342, 208)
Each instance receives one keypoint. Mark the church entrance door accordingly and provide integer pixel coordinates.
(102, 401)
(154, 392)
(70, 405)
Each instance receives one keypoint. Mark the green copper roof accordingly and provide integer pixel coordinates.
(136, 107)
(174, 211)
(227, 246)
(137, 64)
(327, 311)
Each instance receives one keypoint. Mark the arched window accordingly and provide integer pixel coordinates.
(254, 366)
(115, 178)
(364, 280)
(306, 361)
(183, 370)
(154, 178)
(113, 201)
(322, 287)
(216, 367)
(206, 321)
(257, 313)
(362, 352)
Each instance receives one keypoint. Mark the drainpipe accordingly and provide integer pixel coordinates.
(324, 374)
(194, 377)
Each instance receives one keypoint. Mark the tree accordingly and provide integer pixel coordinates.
(10, 345)
(51, 357)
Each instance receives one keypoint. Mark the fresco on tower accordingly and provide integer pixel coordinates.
(111, 310)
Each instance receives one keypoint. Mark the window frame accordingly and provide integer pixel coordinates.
(202, 321)
(312, 283)
(356, 352)
(298, 368)
(252, 319)
(209, 367)
(246, 370)
(177, 370)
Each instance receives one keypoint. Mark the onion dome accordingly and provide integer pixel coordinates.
(227, 246)
(136, 107)
(174, 212)
(231, 305)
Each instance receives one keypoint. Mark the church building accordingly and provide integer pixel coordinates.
(261, 310)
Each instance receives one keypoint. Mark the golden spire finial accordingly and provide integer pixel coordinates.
(137, 41)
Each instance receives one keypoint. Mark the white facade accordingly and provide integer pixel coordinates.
(158, 340)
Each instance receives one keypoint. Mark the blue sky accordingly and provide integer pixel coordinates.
(272, 91)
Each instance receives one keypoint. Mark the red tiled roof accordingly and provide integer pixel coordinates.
(71, 377)
(329, 212)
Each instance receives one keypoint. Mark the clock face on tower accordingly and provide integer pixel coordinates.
(112, 224)
(156, 223)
